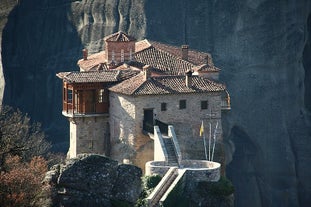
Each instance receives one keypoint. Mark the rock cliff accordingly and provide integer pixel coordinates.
(262, 46)
(91, 180)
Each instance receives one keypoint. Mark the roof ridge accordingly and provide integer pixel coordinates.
(213, 82)
(172, 55)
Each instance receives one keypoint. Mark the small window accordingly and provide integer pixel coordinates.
(204, 104)
(163, 106)
(182, 104)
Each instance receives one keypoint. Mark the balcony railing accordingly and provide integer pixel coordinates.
(89, 108)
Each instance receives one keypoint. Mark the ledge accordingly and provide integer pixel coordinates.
(71, 115)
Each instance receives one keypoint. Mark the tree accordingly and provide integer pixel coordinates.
(22, 167)
(18, 136)
(20, 184)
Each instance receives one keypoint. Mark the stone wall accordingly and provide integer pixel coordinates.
(159, 150)
(196, 173)
(127, 115)
(89, 134)
(157, 167)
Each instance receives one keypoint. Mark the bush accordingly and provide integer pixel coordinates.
(22, 166)
(149, 182)
(20, 184)
(19, 136)
(223, 187)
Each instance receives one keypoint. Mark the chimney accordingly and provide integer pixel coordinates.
(84, 52)
(189, 78)
(147, 72)
(184, 52)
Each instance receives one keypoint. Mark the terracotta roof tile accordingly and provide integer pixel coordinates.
(194, 56)
(96, 76)
(162, 61)
(165, 85)
(163, 58)
(206, 68)
(119, 37)
(142, 45)
(92, 61)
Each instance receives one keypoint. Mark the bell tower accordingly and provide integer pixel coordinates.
(119, 48)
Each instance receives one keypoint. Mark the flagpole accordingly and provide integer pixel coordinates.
(204, 145)
(202, 133)
(214, 137)
(209, 141)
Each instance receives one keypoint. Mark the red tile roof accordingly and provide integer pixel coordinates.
(142, 45)
(92, 61)
(162, 61)
(195, 57)
(119, 37)
(165, 85)
(163, 58)
(206, 68)
(96, 76)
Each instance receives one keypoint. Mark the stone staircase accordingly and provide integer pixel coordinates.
(162, 187)
(170, 149)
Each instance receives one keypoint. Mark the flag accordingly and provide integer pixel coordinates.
(201, 129)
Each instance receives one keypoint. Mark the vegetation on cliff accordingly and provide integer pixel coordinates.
(149, 182)
(22, 164)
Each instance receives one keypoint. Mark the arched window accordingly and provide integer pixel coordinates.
(122, 55)
(112, 55)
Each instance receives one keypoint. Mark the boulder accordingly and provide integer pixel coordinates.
(92, 180)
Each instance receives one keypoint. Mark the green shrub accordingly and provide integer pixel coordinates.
(223, 187)
(149, 182)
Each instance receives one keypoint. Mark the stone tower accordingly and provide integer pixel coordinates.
(86, 106)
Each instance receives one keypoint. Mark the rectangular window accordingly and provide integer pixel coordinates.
(182, 104)
(163, 106)
(204, 104)
(69, 96)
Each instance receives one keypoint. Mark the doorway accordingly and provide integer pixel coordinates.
(148, 120)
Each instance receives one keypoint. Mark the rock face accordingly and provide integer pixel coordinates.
(263, 47)
(93, 180)
(6, 8)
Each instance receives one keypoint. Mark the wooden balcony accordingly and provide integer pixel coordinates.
(84, 109)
